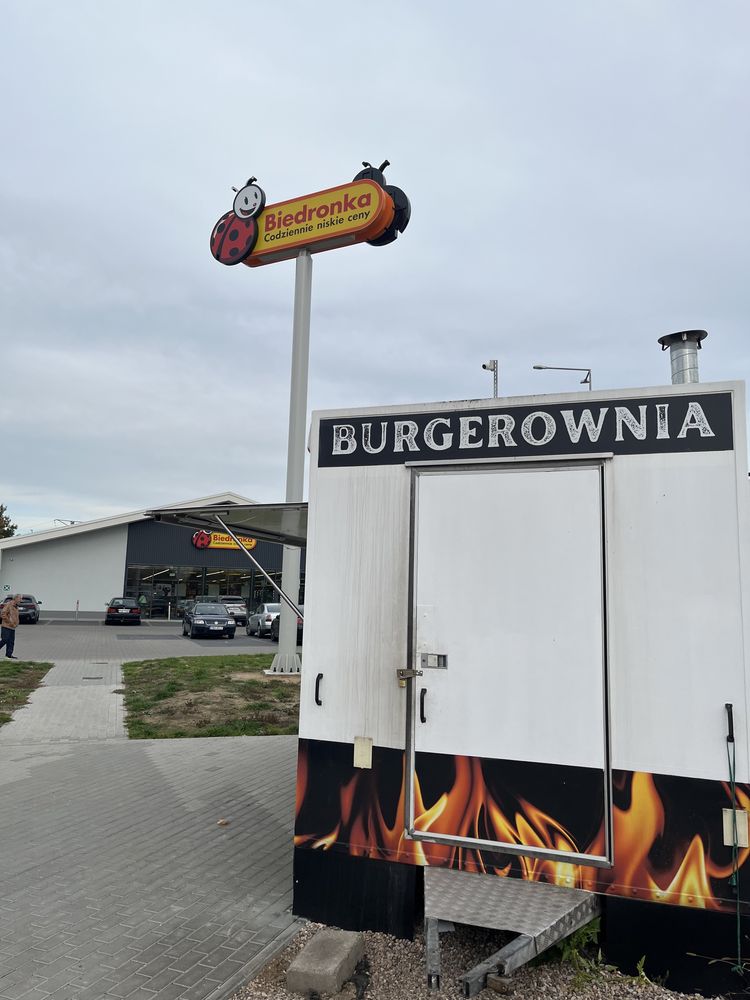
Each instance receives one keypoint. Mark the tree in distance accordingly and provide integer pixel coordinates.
(7, 528)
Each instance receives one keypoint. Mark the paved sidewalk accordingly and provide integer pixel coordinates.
(115, 878)
(76, 701)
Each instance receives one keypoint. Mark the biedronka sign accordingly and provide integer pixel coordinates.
(365, 210)
(218, 540)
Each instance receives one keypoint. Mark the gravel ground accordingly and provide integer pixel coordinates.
(396, 969)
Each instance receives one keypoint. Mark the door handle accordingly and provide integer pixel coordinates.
(318, 679)
(422, 696)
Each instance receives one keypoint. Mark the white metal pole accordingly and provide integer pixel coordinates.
(286, 659)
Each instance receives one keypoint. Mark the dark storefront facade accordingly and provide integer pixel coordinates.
(166, 568)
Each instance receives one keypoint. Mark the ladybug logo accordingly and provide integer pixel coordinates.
(201, 539)
(250, 201)
(235, 234)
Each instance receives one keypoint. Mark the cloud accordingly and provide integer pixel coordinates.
(578, 182)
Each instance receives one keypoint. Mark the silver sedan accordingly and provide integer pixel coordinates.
(259, 622)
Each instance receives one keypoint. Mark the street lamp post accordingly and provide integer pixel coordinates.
(491, 366)
(586, 380)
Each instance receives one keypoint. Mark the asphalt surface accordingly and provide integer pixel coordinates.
(90, 639)
(142, 869)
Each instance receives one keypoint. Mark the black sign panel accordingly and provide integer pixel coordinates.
(649, 425)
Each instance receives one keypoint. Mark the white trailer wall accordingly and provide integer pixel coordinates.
(677, 623)
(87, 567)
(677, 550)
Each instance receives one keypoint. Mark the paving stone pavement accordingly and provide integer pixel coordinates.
(76, 701)
(115, 878)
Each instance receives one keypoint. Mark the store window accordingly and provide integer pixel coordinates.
(163, 590)
(234, 582)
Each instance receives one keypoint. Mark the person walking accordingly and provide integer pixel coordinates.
(8, 625)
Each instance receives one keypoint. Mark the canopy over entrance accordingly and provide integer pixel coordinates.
(285, 523)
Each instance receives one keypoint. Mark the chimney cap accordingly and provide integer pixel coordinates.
(682, 336)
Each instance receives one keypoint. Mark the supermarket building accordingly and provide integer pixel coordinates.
(81, 566)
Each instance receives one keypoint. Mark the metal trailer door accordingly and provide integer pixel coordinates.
(509, 631)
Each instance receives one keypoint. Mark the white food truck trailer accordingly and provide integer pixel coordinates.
(524, 661)
(524, 695)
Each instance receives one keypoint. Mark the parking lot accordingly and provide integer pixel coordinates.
(67, 639)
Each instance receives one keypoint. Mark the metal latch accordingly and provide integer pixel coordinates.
(433, 661)
(405, 673)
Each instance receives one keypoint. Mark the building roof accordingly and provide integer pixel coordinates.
(146, 514)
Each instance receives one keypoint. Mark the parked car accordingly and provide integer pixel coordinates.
(158, 607)
(276, 625)
(208, 620)
(236, 607)
(260, 621)
(28, 608)
(122, 611)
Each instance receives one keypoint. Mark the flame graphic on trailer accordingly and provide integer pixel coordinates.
(660, 854)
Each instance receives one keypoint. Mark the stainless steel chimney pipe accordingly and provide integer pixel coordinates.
(683, 354)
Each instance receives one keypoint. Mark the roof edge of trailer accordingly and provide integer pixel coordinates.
(596, 396)
(283, 523)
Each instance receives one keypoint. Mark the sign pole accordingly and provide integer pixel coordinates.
(287, 660)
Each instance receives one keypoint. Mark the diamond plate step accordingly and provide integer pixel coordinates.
(505, 904)
(540, 913)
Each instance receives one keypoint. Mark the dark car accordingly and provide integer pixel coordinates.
(122, 611)
(236, 607)
(208, 619)
(28, 608)
(234, 604)
(158, 607)
(276, 625)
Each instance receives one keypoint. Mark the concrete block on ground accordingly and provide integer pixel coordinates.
(326, 962)
(501, 984)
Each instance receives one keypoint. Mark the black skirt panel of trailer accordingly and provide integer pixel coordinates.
(691, 950)
(357, 894)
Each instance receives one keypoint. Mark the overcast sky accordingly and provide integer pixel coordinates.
(578, 175)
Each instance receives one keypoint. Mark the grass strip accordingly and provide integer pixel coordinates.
(18, 678)
(208, 696)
